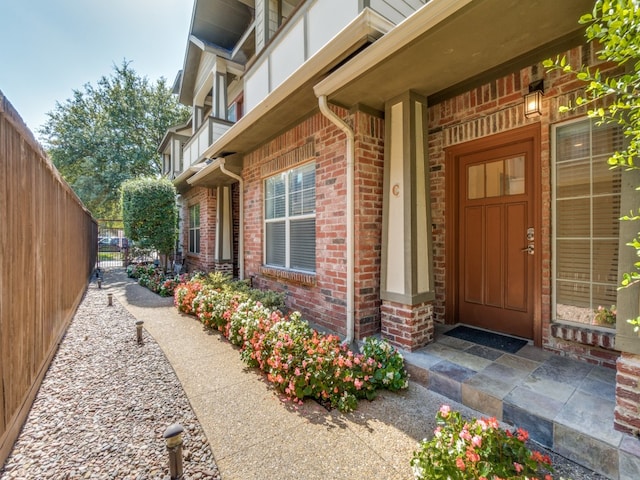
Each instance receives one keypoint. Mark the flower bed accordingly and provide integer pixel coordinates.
(148, 275)
(477, 450)
(298, 360)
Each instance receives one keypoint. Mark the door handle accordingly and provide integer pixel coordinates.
(528, 249)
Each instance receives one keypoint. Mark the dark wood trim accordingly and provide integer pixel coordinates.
(451, 234)
(452, 171)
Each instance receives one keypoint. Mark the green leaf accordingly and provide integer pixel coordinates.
(108, 133)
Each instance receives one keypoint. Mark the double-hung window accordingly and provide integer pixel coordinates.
(586, 225)
(290, 219)
(194, 228)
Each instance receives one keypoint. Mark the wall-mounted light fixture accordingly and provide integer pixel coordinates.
(533, 99)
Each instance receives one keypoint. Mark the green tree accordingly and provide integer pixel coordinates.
(614, 25)
(150, 214)
(109, 133)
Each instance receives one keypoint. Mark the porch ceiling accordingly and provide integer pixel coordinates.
(479, 40)
(213, 176)
(444, 48)
(294, 98)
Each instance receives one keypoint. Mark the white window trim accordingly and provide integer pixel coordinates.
(193, 229)
(287, 221)
(554, 250)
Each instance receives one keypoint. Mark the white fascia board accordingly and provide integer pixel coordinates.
(367, 22)
(403, 34)
(205, 170)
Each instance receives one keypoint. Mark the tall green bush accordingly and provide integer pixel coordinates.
(149, 213)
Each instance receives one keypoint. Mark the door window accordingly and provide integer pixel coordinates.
(496, 179)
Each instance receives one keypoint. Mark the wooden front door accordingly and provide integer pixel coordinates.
(496, 239)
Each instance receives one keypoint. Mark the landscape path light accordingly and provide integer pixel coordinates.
(173, 438)
(139, 324)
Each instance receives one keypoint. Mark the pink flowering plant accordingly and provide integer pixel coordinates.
(148, 275)
(606, 316)
(184, 294)
(168, 285)
(138, 269)
(390, 374)
(299, 361)
(477, 450)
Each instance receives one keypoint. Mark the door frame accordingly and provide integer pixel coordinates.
(452, 172)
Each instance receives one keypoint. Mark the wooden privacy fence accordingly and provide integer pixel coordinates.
(48, 243)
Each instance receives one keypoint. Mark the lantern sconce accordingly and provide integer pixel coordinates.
(533, 99)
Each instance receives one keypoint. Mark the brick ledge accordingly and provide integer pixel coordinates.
(298, 277)
(585, 336)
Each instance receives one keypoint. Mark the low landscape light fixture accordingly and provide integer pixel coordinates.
(110, 299)
(139, 324)
(173, 438)
(533, 99)
(99, 283)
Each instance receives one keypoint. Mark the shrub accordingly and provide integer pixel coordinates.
(184, 295)
(391, 373)
(136, 270)
(298, 360)
(245, 321)
(149, 213)
(478, 449)
(168, 285)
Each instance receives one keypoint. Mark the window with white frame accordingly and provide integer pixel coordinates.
(194, 228)
(290, 219)
(586, 225)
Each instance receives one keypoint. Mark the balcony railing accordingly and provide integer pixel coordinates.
(211, 129)
(304, 34)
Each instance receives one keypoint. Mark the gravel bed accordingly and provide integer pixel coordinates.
(103, 407)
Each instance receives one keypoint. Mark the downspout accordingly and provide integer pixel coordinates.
(350, 155)
(241, 236)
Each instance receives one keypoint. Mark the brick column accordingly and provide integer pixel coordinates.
(407, 326)
(627, 412)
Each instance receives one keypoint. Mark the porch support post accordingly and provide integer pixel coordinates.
(407, 262)
(223, 255)
(219, 92)
(198, 117)
(627, 412)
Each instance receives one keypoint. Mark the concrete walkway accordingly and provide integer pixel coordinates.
(255, 434)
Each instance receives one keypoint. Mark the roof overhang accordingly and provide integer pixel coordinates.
(442, 49)
(294, 98)
(180, 182)
(217, 24)
(449, 45)
(182, 131)
(213, 173)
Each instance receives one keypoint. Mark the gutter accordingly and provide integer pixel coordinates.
(241, 236)
(350, 156)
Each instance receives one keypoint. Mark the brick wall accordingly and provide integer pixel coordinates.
(206, 197)
(321, 298)
(369, 169)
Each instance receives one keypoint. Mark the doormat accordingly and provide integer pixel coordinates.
(488, 339)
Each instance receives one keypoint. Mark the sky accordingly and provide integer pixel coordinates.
(48, 48)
